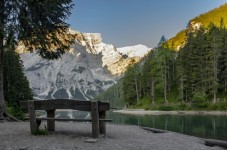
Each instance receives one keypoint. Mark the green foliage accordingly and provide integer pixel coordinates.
(188, 79)
(222, 105)
(113, 95)
(132, 84)
(16, 85)
(205, 19)
(166, 108)
(181, 106)
(199, 96)
(38, 25)
(199, 105)
(16, 112)
(41, 132)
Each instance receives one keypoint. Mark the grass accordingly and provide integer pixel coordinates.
(40, 132)
(16, 112)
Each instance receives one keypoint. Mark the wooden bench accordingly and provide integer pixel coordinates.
(97, 110)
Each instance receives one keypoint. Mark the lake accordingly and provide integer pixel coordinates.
(204, 126)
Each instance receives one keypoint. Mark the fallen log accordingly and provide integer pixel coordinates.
(154, 130)
(211, 142)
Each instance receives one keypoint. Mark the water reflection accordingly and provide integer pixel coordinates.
(68, 114)
(205, 126)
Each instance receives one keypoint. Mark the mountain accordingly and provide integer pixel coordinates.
(89, 68)
(132, 51)
(214, 16)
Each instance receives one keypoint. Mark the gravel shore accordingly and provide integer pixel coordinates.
(73, 136)
(158, 112)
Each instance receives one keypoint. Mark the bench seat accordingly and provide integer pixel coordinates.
(76, 120)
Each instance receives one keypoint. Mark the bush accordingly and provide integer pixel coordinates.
(16, 112)
(199, 96)
(199, 101)
(166, 108)
(181, 106)
(147, 108)
(200, 105)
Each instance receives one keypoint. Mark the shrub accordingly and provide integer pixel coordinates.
(147, 108)
(166, 108)
(181, 106)
(199, 101)
(16, 112)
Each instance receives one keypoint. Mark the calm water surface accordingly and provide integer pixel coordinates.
(205, 126)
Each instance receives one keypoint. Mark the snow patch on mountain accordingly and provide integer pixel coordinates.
(132, 51)
(89, 68)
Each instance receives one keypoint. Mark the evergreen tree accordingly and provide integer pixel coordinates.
(148, 78)
(222, 76)
(15, 82)
(132, 84)
(38, 25)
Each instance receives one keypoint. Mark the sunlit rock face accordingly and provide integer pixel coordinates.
(89, 68)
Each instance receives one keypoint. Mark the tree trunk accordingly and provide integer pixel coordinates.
(152, 91)
(2, 104)
(215, 72)
(165, 83)
(225, 85)
(182, 90)
(137, 93)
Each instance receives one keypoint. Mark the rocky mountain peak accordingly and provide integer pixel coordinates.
(89, 68)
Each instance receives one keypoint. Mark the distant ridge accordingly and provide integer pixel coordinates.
(213, 16)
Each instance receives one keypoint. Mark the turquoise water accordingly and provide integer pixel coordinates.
(205, 126)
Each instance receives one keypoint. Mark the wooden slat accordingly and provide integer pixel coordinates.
(103, 106)
(106, 120)
(65, 119)
(68, 119)
(65, 104)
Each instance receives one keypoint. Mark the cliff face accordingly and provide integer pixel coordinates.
(89, 68)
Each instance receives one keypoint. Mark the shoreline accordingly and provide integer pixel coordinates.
(70, 135)
(158, 112)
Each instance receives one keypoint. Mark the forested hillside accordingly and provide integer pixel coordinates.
(202, 20)
(195, 77)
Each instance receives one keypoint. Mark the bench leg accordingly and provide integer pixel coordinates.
(102, 124)
(50, 123)
(95, 119)
(38, 122)
(31, 111)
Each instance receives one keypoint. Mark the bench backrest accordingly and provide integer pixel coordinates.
(65, 104)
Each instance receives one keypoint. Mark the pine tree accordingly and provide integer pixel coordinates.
(38, 25)
(15, 82)
(132, 84)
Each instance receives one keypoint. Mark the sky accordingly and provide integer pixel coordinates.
(131, 22)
